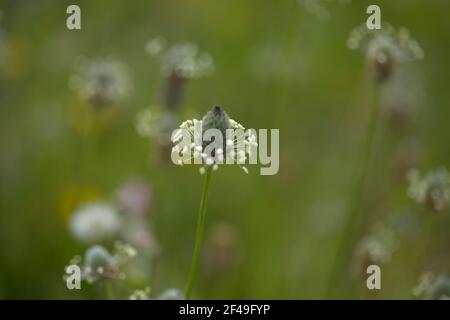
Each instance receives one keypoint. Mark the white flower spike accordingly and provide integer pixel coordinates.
(234, 150)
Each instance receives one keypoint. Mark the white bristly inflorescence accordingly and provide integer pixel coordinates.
(196, 148)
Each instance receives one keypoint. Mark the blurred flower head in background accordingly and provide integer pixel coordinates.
(375, 248)
(152, 122)
(385, 48)
(183, 59)
(156, 46)
(95, 222)
(141, 294)
(100, 222)
(102, 82)
(99, 264)
(432, 190)
(171, 294)
(135, 197)
(147, 122)
(138, 233)
(179, 63)
(432, 287)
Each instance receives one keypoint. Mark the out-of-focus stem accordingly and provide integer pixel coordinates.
(346, 244)
(174, 91)
(172, 99)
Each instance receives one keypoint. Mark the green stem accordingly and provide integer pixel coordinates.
(199, 236)
(345, 246)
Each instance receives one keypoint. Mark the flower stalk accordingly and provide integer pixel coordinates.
(199, 235)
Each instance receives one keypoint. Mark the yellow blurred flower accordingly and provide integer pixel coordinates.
(73, 196)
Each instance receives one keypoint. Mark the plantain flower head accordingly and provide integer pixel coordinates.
(193, 143)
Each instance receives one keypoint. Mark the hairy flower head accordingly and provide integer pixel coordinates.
(237, 144)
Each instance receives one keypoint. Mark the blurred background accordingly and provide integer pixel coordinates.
(277, 64)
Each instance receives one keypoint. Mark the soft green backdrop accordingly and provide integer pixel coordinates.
(276, 66)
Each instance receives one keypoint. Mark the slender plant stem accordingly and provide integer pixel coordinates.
(199, 236)
(345, 246)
